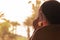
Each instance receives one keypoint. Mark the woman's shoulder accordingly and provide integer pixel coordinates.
(48, 28)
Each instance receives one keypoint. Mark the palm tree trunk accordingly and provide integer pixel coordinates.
(28, 32)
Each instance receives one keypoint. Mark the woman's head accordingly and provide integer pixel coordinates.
(51, 10)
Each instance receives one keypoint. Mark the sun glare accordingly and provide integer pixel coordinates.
(58, 0)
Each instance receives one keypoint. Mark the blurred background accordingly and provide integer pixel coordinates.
(16, 18)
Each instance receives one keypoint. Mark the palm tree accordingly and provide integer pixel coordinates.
(4, 26)
(29, 20)
(28, 23)
(14, 24)
(35, 9)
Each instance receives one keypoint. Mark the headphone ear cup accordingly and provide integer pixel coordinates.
(40, 24)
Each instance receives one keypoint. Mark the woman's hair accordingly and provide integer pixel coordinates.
(35, 23)
(51, 10)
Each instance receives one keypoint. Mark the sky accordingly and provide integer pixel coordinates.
(17, 10)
